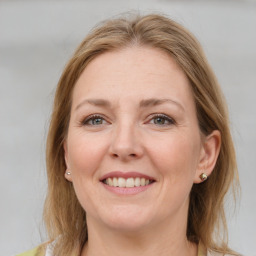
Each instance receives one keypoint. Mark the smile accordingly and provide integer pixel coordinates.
(127, 183)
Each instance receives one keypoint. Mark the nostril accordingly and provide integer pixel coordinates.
(131, 155)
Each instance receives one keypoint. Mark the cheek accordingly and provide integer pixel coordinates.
(84, 153)
(176, 157)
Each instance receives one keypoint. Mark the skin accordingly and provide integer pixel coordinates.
(129, 137)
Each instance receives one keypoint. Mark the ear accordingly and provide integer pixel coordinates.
(68, 174)
(209, 154)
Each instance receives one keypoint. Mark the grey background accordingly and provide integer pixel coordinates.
(38, 37)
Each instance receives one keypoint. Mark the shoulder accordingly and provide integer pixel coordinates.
(33, 252)
(213, 253)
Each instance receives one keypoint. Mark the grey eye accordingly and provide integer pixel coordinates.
(94, 120)
(162, 120)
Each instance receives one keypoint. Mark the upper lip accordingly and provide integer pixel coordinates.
(125, 175)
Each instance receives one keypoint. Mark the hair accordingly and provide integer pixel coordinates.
(64, 217)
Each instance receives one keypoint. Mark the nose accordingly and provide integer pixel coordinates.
(126, 143)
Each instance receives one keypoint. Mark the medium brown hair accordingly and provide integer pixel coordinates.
(64, 217)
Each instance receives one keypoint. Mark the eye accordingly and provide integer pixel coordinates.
(94, 120)
(162, 120)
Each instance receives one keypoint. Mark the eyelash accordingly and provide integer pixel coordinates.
(170, 120)
(91, 118)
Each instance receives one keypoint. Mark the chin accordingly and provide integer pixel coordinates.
(127, 219)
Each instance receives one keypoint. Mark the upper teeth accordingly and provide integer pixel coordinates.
(126, 183)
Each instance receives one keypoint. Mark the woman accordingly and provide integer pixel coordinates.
(139, 152)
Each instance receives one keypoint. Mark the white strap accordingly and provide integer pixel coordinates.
(48, 251)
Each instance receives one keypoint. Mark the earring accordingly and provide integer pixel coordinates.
(203, 177)
(68, 173)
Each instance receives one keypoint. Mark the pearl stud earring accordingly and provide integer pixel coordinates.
(203, 177)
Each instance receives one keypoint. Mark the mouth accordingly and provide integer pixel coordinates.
(127, 183)
(127, 180)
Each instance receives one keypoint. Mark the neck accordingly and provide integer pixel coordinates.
(164, 240)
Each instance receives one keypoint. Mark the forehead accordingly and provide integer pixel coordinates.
(133, 71)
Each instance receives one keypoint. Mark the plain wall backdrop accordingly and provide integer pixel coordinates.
(36, 40)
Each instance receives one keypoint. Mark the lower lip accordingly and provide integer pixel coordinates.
(127, 191)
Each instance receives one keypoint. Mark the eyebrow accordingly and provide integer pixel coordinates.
(155, 102)
(95, 102)
(143, 103)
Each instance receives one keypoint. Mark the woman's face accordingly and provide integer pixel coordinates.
(133, 146)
